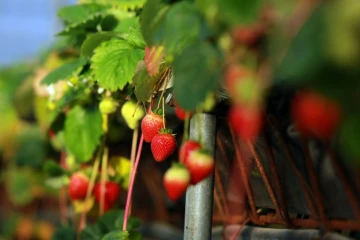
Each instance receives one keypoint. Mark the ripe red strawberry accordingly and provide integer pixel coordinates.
(151, 125)
(186, 148)
(247, 122)
(78, 186)
(111, 191)
(248, 35)
(163, 145)
(315, 115)
(200, 164)
(176, 181)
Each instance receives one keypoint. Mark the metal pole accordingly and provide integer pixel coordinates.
(199, 198)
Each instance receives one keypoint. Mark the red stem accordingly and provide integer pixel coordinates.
(132, 177)
(131, 185)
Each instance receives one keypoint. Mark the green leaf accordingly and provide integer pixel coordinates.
(113, 220)
(134, 37)
(132, 222)
(25, 155)
(10, 226)
(57, 182)
(90, 16)
(196, 73)
(304, 57)
(135, 235)
(183, 26)
(117, 235)
(19, 185)
(82, 132)
(93, 41)
(109, 219)
(152, 21)
(350, 137)
(64, 232)
(79, 13)
(114, 63)
(144, 84)
(65, 71)
(125, 24)
(91, 232)
(53, 169)
(236, 12)
(123, 4)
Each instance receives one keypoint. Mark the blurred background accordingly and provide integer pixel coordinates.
(30, 202)
(27, 27)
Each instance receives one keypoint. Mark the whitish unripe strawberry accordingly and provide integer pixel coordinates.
(176, 181)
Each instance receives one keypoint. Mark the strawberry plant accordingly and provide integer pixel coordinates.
(123, 60)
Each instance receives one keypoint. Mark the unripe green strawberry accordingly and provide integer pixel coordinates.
(163, 145)
(209, 102)
(74, 80)
(78, 186)
(132, 114)
(200, 164)
(107, 106)
(176, 181)
(151, 124)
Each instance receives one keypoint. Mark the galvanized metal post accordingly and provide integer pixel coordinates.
(199, 198)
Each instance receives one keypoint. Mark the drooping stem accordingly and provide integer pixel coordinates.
(131, 185)
(163, 111)
(133, 147)
(198, 119)
(133, 152)
(165, 87)
(186, 127)
(103, 180)
(132, 177)
(94, 172)
(105, 122)
(62, 197)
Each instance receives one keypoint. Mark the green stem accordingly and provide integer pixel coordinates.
(163, 111)
(132, 178)
(198, 119)
(103, 180)
(163, 92)
(186, 127)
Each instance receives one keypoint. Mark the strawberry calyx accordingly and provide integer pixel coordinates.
(203, 151)
(159, 112)
(178, 165)
(166, 131)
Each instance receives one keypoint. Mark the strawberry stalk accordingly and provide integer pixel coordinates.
(103, 179)
(186, 127)
(94, 172)
(131, 184)
(132, 177)
(133, 152)
(198, 119)
(165, 86)
(163, 109)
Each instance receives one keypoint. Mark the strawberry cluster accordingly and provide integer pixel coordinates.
(195, 162)
(79, 184)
